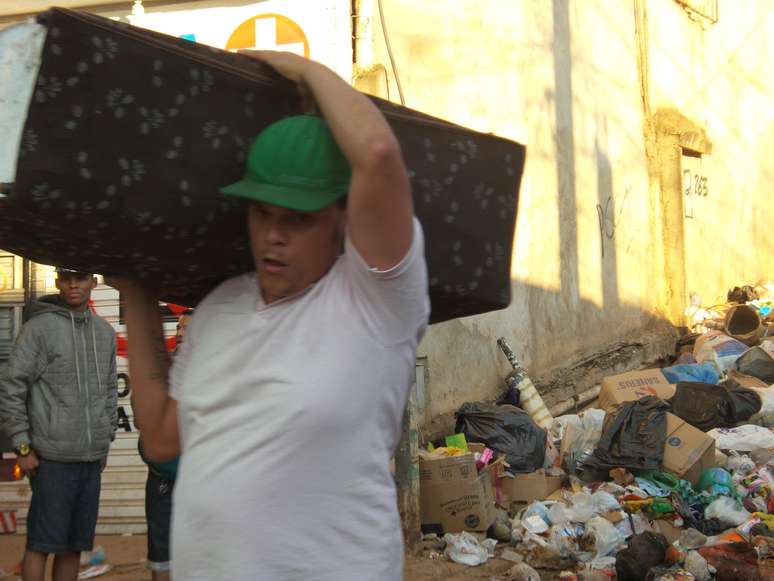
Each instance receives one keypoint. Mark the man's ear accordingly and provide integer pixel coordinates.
(93, 282)
(58, 283)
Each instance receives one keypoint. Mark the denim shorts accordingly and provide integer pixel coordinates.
(158, 513)
(64, 506)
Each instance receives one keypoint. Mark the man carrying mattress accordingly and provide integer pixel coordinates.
(286, 399)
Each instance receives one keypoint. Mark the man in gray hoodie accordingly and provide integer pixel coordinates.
(58, 405)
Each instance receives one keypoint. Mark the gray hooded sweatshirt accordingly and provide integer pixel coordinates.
(59, 389)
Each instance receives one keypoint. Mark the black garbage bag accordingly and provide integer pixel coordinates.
(507, 430)
(632, 436)
(707, 406)
(758, 363)
(645, 551)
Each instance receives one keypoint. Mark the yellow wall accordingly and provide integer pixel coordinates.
(562, 77)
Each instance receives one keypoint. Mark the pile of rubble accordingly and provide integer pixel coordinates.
(670, 477)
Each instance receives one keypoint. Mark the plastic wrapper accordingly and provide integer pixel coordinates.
(726, 510)
(507, 430)
(581, 435)
(607, 538)
(739, 465)
(633, 524)
(558, 513)
(537, 508)
(581, 507)
(565, 538)
(704, 372)
(719, 349)
(604, 502)
(743, 438)
(465, 549)
(534, 524)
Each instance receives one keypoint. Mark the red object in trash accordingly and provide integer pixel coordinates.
(7, 522)
(737, 561)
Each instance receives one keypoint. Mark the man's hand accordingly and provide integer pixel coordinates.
(28, 464)
(288, 64)
(124, 284)
(102, 464)
(292, 67)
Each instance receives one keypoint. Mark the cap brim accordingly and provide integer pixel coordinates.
(285, 197)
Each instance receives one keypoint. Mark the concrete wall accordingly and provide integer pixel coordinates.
(719, 77)
(603, 94)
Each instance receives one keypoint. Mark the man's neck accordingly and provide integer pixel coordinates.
(81, 309)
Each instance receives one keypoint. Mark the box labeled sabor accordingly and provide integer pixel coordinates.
(454, 496)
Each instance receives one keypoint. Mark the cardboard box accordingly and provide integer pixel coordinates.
(454, 496)
(687, 450)
(529, 487)
(634, 385)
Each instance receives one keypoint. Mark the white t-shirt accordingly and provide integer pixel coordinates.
(289, 414)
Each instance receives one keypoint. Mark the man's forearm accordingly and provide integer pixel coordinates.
(358, 126)
(148, 362)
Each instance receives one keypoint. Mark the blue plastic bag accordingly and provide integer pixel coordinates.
(703, 372)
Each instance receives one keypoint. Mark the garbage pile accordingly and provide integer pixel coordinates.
(670, 477)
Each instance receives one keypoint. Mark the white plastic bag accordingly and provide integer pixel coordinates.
(564, 538)
(604, 502)
(743, 438)
(581, 437)
(582, 507)
(607, 538)
(558, 514)
(719, 349)
(465, 549)
(726, 510)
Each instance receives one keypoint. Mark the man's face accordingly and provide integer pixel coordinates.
(291, 249)
(75, 289)
(180, 332)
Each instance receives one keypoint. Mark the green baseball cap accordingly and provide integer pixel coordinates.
(294, 163)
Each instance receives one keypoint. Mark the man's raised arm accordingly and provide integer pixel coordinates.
(379, 207)
(155, 412)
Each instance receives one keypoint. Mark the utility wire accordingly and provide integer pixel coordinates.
(389, 52)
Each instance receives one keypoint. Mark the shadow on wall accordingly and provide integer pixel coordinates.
(566, 310)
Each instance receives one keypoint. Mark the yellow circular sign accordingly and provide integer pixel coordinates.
(269, 31)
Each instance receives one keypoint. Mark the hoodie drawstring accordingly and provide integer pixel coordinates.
(75, 349)
(96, 357)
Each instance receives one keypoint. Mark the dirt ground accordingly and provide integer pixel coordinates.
(127, 555)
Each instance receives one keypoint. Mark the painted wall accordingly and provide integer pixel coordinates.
(718, 76)
(594, 249)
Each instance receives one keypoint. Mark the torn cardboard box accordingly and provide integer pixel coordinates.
(632, 386)
(529, 487)
(454, 496)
